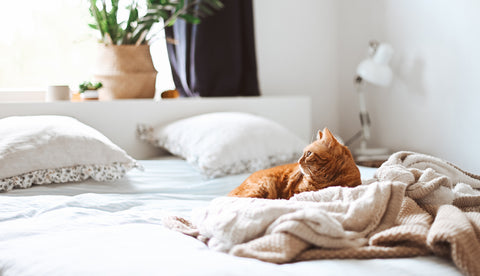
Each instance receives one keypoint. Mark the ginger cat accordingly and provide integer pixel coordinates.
(324, 163)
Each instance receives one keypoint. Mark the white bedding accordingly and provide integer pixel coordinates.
(115, 228)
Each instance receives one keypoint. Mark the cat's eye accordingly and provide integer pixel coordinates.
(308, 153)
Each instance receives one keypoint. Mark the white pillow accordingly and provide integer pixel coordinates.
(56, 149)
(226, 143)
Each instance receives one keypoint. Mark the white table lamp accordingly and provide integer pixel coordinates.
(374, 70)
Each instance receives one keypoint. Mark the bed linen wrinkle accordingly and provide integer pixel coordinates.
(418, 218)
(118, 229)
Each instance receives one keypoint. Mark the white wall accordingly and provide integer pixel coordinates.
(433, 103)
(312, 47)
(296, 43)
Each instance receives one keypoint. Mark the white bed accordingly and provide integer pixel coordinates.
(115, 228)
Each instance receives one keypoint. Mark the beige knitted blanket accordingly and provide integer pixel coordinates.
(415, 205)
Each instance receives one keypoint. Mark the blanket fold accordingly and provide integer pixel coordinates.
(415, 205)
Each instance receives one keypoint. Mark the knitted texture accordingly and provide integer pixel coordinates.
(415, 205)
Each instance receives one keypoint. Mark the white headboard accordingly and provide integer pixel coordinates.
(118, 119)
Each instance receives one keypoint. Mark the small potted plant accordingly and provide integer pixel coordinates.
(124, 64)
(88, 90)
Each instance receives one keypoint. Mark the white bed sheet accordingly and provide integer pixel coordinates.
(115, 228)
(167, 174)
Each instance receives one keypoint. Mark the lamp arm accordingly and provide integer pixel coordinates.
(373, 69)
(364, 133)
(364, 116)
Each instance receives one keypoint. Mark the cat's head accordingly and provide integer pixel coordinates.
(326, 162)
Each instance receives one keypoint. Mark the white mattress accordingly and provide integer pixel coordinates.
(115, 228)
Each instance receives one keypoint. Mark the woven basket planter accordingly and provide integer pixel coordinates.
(126, 71)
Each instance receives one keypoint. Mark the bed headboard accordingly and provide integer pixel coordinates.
(118, 119)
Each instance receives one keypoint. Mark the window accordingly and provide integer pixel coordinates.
(49, 42)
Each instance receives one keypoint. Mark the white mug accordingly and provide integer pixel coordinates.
(57, 93)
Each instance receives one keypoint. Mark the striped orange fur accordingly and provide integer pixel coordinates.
(324, 163)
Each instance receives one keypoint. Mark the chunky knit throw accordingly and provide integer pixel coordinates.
(415, 205)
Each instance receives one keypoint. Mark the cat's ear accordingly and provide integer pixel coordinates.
(328, 138)
(319, 135)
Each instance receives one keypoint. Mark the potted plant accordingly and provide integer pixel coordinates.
(89, 90)
(124, 64)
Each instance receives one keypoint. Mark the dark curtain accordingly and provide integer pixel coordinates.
(215, 58)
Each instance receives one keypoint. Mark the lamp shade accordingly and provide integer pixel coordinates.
(375, 69)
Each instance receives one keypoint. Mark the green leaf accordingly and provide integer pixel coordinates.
(97, 16)
(130, 24)
(190, 18)
(180, 5)
(136, 27)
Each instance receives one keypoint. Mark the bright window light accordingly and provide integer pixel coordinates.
(49, 42)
